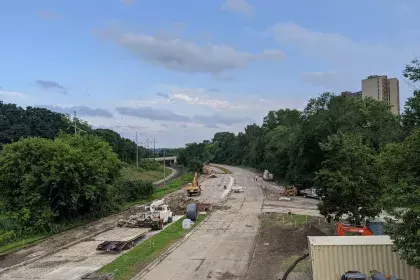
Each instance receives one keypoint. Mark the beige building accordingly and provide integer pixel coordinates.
(383, 89)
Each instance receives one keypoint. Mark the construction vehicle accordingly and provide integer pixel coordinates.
(310, 193)
(194, 187)
(161, 216)
(154, 215)
(351, 230)
(289, 191)
(374, 275)
(267, 176)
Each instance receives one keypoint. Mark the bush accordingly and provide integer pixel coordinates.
(127, 190)
(55, 181)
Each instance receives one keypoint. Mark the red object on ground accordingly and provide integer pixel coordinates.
(349, 230)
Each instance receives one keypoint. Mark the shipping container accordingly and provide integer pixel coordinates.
(331, 256)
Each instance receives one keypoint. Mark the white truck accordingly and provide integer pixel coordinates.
(154, 215)
(267, 176)
(310, 193)
(162, 215)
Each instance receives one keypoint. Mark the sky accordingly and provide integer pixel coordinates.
(180, 71)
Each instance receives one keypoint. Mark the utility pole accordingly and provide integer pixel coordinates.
(154, 148)
(137, 152)
(164, 169)
(74, 120)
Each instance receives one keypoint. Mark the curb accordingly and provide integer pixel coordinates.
(229, 188)
(157, 261)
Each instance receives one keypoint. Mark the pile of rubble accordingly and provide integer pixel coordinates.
(136, 220)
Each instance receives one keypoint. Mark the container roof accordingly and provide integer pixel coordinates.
(349, 240)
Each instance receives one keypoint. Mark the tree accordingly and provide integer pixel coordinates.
(59, 179)
(276, 157)
(412, 70)
(400, 162)
(349, 181)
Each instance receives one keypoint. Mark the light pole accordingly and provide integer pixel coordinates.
(164, 169)
(137, 152)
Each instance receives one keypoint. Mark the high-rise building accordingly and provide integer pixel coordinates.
(353, 94)
(383, 89)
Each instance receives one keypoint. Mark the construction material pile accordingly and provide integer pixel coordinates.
(137, 220)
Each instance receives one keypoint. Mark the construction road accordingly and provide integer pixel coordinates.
(223, 245)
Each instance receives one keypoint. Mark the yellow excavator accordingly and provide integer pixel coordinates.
(194, 187)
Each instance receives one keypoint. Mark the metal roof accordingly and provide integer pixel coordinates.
(349, 240)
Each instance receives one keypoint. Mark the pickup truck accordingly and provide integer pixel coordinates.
(310, 193)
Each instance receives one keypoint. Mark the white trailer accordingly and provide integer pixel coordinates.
(331, 256)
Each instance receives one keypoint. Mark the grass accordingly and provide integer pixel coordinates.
(131, 263)
(21, 244)
(131, 172)
(275, 219)
(174, 185)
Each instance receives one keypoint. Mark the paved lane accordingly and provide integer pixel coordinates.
(223, 245)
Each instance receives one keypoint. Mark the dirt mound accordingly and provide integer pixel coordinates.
(212, 176)
(279, 245)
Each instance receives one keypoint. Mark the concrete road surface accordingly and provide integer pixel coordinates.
(223, 245)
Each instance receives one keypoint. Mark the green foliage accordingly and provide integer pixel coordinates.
(412, 70)
(124, 148)
(349, 180)
(193, 156)
(128, 190)
(400, 162)
(16, 122)
(55, 180)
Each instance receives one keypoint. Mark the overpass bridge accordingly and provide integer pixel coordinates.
(165, 160)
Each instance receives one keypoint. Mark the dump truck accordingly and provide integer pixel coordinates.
(194, 187)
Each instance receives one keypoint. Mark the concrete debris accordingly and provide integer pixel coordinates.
(136, 220)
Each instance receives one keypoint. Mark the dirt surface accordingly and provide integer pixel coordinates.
(282, 239)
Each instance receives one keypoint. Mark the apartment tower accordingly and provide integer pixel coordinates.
(383, 89)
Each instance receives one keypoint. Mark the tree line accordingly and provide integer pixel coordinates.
(360, 158)
(17, 122)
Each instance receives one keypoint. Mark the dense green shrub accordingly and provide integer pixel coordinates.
(44, 182)
(126, 190)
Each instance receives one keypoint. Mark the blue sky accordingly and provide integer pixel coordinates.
(179, 71)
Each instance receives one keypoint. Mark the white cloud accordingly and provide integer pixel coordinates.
(338, 50)
(80, 110)
(328, 80)
(239, 6)
(179, 55)
(12, 94)
(352, 60)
